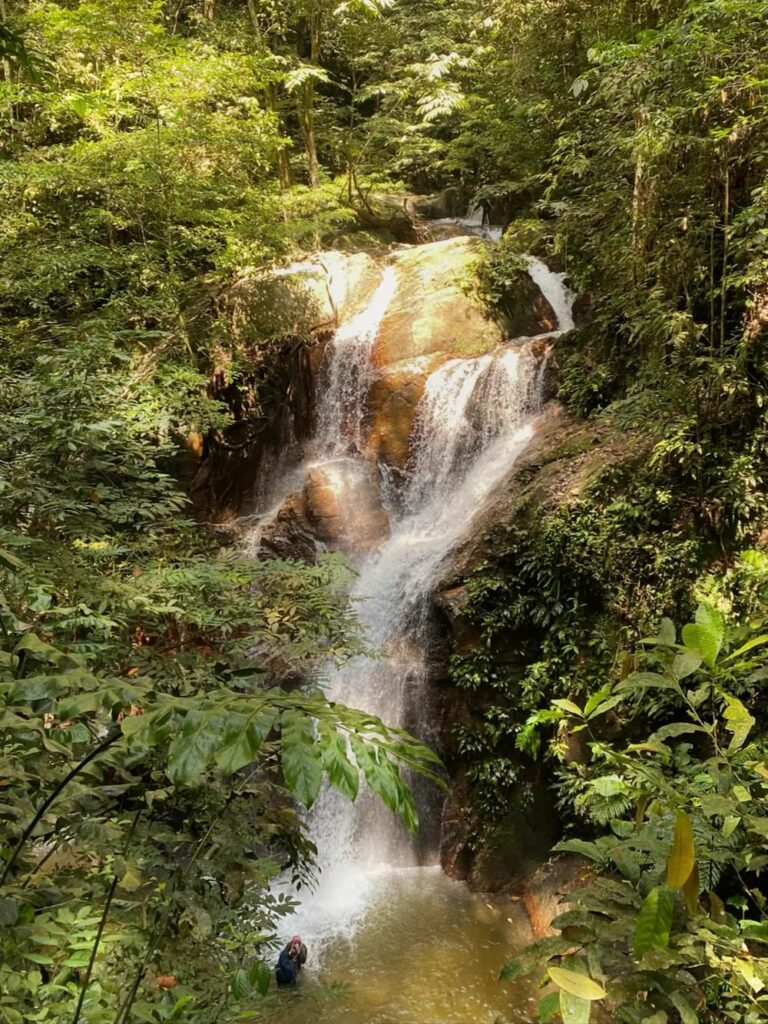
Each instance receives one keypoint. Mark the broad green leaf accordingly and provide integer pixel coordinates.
(685, 664)
(716, 908)
(756, 641)
(343, 775)
(38, 688)
(83, 703)
(691, 890)
(596, 699)
(533, 956)
(78, 959)
(300, 757)
(569, 706)
(667, 634)
(682, 857)
(705, 637)
(586, 849)
(378, 770)
(711, 619)
(192, 751)
(647, 681)
(549, 1007)
(11, 559)
(675, 729)
(239, 983)
(32, 644)
(610, 702)
(575, 984)
(259, 977)
(148, 727)
(38, 958)
(609, 785)
(738, 721)
(654, 922)
(687, 1013)
(747, 970)
(242, 738)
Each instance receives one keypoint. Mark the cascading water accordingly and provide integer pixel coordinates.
(474, 419)
(341, 413)
(475, 222)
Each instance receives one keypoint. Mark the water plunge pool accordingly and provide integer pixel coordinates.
(421, 949)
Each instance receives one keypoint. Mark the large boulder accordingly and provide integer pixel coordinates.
(526, 312)
(287, 534)
(432, 309)
(305, 297)
(432, 317)
(343, 503)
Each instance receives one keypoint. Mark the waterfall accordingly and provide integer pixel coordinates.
(473, 421)
(555, 291)
(341, 413)
(474, 223)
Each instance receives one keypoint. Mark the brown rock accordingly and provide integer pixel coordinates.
(521, 841)
(526, 312)
(430, 312)
(393, 399)
(304, 297)
(288, 534)
(441, 232)
(343, 502)
(544, 890)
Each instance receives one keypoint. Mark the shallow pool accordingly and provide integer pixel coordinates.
(420, 949)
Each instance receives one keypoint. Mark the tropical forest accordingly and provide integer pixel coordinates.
(383, 511)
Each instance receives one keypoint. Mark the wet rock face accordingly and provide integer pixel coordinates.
(526, 311)
(431, 318)
(511, 850)
(304, 297)
(331, 491)
(394, 398)
(290, 534)
(430, 311)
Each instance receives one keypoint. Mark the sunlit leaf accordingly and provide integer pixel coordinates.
(578, 985)
(682, 857)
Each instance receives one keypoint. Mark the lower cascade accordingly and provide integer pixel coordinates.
(474, 418)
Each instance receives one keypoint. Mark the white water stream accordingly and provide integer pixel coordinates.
(475, 417)
(341, 411)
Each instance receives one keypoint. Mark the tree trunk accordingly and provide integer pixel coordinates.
(307, 102)
(307, 121)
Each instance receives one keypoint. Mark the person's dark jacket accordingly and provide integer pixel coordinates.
(285, 971)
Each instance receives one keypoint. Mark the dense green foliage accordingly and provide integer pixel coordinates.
(149, 760)
(673, 921)
(150, 154)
